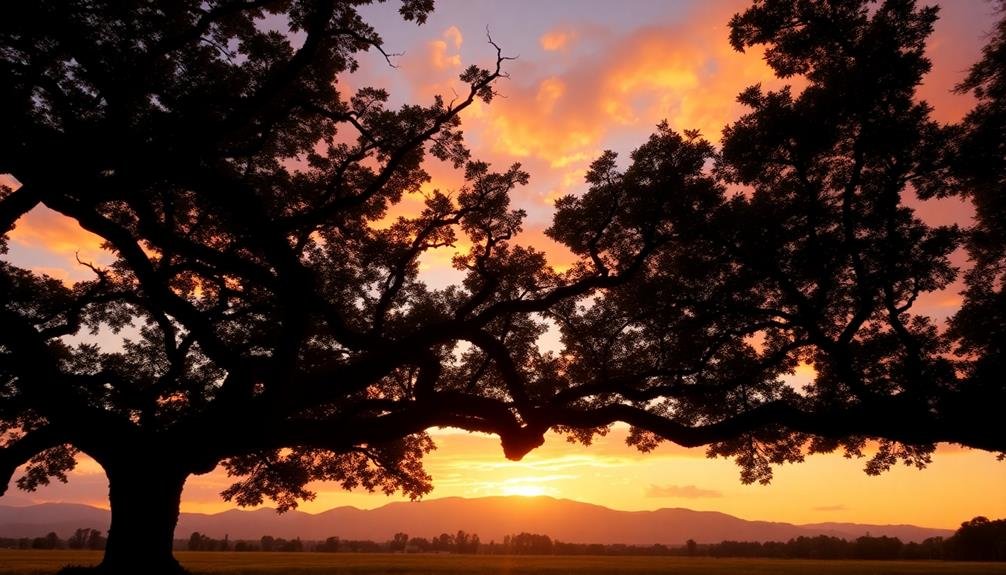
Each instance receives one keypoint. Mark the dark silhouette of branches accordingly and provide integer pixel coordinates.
(274, 320)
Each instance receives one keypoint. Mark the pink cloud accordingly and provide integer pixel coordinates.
(682, 491)
(555, 40)
(440, 51)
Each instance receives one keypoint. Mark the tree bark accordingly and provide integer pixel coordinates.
(144, 497)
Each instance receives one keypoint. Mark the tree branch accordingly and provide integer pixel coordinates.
(18, 452)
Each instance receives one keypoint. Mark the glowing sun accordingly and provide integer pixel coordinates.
(524, 490)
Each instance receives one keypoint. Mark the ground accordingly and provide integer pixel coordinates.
(16, 562)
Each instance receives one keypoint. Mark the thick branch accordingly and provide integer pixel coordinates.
(881, 420)
(19, 451)
(16, 205)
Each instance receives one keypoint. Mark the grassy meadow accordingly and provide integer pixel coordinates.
(18, 562)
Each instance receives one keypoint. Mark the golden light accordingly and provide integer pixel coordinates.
(803, 376)
(524, 490)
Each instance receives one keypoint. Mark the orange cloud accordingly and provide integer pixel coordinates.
(55, 232)
(554, 40)
(61, 241)
(549, 92)
(439, 55)
(559, 122)
(431, 70)
(682, 491)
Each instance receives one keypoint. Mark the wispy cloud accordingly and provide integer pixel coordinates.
(51, 243)
(831, 508)
(556, 39)
(682, 491)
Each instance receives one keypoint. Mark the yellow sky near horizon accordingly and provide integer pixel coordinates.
(581, 86)
(959, 485)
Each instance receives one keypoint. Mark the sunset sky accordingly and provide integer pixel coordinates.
(591, 76)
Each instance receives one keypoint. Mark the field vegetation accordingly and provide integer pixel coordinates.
(38, 562)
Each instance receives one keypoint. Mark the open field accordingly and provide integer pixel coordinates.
(16, 562)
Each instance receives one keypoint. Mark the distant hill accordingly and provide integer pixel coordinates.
(490, 517)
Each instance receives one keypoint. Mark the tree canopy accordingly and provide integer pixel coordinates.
(276, 322)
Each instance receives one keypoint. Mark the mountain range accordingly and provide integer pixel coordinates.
(490, 517)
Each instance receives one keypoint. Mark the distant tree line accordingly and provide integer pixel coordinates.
(83, 538)
(979, 539)
(199, 542)
(825, 547)
(460, 542)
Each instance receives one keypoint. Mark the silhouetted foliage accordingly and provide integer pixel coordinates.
(466, 543)
(330, 545)
(362, 546)
(443, 543)
(399, 542)
(528, 544)
(274, 321)
(216, 131)
(50, 541)
(979, 161)
(978, 540)
(244, 546)
(818, 260)
(418, 545)
(199, 542)
(86, 538)
(270, 543)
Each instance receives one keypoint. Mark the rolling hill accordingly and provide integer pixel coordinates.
(490, 517)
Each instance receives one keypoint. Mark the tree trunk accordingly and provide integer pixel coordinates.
(144, 497)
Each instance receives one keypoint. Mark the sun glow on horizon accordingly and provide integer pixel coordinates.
(525, 490)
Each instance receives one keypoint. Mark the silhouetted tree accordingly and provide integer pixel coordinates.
(50, 541)
(419, 544)
(878, 547)
(86, 538)
(979, 539)
(249, 546)
(819, 260)
(398, 542)
(466, 543)
(266, 543)
(196, 542)
(930, 548)
(443, 542)
(979, 164)
(239, 188)
(362, 546)
(200, 542)
(294, 545)
(330, 545)
(528, 544)
(279, 325)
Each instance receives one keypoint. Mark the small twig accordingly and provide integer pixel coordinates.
(500, 58)
(102, 274)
